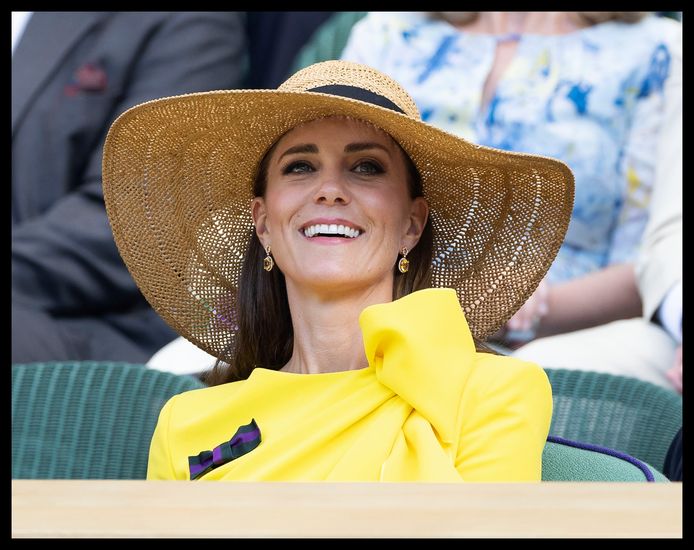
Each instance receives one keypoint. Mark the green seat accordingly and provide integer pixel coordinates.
(632, 416)
(94, 420)
(87, 420)
(565, 460)
(328, 41)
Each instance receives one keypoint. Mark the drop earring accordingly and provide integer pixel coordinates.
(268, 262)
(404, 263)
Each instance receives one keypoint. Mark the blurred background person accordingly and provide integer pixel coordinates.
(584, 87)
(73, 73)
(654, 339)
(275, 38)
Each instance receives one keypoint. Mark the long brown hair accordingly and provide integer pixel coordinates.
(265, 336)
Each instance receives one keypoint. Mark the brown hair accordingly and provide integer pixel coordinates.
(588, 18)
(265, 336)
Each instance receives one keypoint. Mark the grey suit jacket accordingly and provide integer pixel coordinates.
(73, 73)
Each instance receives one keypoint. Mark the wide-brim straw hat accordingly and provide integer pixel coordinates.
(178, 174)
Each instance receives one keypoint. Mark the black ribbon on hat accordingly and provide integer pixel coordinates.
(360, 94)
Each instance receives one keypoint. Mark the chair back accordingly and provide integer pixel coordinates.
(87, 420)
(95, 420)
(622, 413)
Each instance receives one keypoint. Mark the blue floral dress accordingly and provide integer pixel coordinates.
(592, 98)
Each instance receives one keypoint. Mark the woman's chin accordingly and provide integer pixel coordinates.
(339, 279)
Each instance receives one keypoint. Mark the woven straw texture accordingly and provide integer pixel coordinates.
(621, 413)
(178, 173)
(87, 420)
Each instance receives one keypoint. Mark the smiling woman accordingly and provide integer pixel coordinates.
(356, 178)
(327, 174)
(340, 258)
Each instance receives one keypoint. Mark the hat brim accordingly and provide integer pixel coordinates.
(178, 175)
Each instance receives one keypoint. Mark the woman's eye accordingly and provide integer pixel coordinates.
(368, 167)
(298, 167)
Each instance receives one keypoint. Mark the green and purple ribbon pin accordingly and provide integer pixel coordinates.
(244, 441)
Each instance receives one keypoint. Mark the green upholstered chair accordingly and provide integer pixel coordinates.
(566, 460)
(94, 420)
(629, 415)
(87, 420)
(328, 41)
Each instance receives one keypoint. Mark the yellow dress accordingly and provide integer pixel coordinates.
(427, 408)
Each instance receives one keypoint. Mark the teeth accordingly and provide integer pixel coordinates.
(332, 229)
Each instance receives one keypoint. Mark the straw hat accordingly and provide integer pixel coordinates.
(178, 175)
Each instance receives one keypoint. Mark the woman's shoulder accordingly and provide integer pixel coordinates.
(494, 371)
(204, 397)
(651, 30)
(654, 46)
(661, 27)
(501, 387)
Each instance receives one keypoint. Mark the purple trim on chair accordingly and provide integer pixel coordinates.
(604, 450)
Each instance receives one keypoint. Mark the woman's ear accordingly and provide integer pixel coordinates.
(419, 214)
(259, 214)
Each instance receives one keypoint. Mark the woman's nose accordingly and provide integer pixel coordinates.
(332, 190)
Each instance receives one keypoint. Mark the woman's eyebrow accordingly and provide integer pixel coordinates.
(303, 148)
(363, 146)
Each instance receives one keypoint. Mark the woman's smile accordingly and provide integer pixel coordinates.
(331, 231)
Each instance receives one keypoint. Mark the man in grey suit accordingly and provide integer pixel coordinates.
(73, 73)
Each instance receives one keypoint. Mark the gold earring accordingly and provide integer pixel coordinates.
(404, 263)
(268, 262)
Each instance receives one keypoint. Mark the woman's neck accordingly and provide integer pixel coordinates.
(327, 335)
(517, 22)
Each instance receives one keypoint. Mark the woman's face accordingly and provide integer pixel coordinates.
(337, 209)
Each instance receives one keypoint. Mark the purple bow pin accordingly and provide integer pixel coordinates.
(245, 440)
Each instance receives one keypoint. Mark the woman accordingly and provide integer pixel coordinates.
(583, 87)
(296, 234)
